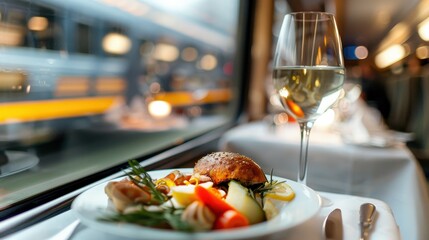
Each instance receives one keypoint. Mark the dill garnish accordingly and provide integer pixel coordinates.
(140, 177)
(164, 217)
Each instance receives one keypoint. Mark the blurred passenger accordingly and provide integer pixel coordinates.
(418, 122)
(373, 90)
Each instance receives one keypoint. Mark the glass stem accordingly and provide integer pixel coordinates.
(305, 136)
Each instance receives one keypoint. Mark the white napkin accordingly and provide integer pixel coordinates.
(384, 227)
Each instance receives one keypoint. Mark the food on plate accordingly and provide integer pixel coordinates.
(225, 166)
(125, 193)
(281, 191)
(230, 194)
(200, 216)
(240, 198)
(270, 209)
(185, 194)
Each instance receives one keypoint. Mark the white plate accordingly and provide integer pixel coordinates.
(93, 204)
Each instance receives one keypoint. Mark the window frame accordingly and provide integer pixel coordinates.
(45, 205)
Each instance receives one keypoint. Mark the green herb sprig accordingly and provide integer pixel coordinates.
(140, 177)
(266, 187)
(167, 217)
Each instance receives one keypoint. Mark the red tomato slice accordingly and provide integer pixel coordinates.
(230, 219)
(212, 200)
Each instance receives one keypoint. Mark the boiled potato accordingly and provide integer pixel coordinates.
(239, 198)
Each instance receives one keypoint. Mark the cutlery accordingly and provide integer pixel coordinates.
(367, 213)
(67, 232)
(333, 225)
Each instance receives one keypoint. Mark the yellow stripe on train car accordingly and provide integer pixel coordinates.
(58, 108)
(198, 97)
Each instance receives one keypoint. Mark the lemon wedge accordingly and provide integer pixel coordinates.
(281, 191)
(185, 194)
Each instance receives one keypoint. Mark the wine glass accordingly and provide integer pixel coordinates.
(308, 71)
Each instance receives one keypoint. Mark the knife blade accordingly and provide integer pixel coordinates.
(333, 225)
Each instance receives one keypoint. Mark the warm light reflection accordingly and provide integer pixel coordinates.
(38, 23)
(291, 105)
(281, 118)
(166, 52)
(422, 52)
(294, 108)
(208, 62)
(390, 55)
(116, 43)
(159, 109)
(361, 52)
(423, 29)
(284, 93)
(399, 33)
(400, 30)
(189, 54)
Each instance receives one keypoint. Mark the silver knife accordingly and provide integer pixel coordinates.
(333, 225)
(367, 213)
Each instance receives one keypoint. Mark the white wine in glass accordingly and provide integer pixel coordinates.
(308, 71)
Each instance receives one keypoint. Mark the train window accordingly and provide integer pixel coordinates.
(83, 38)
(25, 26)
(101, 82)
(41, 27)
(12, 24)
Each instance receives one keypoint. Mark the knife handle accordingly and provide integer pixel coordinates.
(367, 211)
(364, 234)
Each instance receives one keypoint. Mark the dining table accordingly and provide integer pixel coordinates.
(383, 169)
(384, 227)
(345, 171)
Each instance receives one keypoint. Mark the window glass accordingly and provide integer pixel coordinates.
(87, 85)
(83, 38)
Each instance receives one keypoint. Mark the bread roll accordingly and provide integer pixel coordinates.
(225, 166)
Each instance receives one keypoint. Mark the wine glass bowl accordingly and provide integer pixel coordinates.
(308, 71)
(307, 92)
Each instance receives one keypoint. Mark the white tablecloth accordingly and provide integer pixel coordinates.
(389, 174)
(385, 227)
